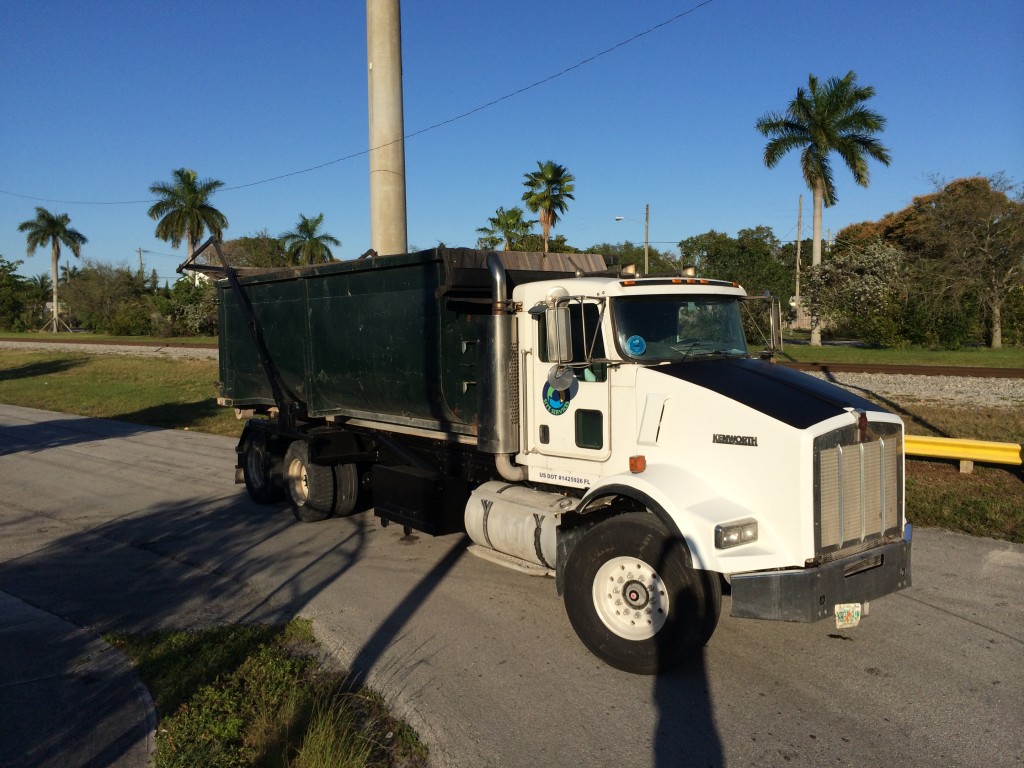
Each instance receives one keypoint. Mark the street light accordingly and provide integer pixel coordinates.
(647, 246)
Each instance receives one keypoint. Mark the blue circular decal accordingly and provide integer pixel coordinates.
(636, 345)
(556, 401)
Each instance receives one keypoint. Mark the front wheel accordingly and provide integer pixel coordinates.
(310, 486)
(633, 599)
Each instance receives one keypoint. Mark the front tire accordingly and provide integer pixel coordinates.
(310, 486)
(633, 599)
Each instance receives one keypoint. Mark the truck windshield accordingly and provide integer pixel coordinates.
(674, 328)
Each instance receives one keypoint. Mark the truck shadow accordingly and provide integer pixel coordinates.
(42, 368)
(200, 563)
(369, 655)
(183, 565)
(175, 415)
(63, 431)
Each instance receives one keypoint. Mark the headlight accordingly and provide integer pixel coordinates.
(733, 534)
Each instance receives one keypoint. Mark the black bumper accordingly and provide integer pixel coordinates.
(812, 593)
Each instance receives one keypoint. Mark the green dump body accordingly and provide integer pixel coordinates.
(390, 339)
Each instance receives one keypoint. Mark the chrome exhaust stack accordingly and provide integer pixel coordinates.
(498, 379)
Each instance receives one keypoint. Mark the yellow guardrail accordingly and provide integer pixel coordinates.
(965, 450)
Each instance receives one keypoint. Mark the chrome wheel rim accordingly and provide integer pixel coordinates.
(630, 598)
(298, 482)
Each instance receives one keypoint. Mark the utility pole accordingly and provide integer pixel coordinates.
(387, 127)
(647, 248)
(799, 242)
(139, 250)
(799, 321)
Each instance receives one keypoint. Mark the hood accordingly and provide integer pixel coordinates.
(794, 398)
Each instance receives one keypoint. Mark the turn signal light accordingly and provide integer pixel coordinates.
(637, 464)
(733, 534)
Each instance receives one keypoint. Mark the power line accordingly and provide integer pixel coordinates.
(74, 202)
(442, 123)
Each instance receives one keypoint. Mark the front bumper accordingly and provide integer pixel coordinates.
(811, 594)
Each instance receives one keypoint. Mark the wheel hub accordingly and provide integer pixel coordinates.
(630, 598)
(636, 595)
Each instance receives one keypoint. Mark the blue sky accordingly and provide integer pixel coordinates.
(98, 100)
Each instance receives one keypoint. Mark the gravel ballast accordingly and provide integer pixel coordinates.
(907, 388)
(191, 353)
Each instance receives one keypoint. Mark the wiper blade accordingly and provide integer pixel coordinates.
(699, 350)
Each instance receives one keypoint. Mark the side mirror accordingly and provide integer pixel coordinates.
(776, 326)
(559, 334)
(561, 377)
(773, 341)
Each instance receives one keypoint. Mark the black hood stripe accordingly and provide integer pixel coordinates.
(794, 398)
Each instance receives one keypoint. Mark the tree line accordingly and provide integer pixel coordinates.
(946, 271)
(114, 299)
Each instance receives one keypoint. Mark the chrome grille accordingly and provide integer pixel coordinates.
(858, 488)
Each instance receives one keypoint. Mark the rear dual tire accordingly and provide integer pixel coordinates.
(261, 469)
(317, 492)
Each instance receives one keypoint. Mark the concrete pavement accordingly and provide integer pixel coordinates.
(116, 527)
(69, 698)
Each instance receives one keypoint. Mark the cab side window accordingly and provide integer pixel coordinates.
(584, 322)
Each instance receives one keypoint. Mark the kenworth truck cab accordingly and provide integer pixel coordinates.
(609, 430)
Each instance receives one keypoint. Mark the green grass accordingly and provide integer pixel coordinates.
(1003, 425)
(258, 696)
(105, 338)
(986, 502)
(172, 393)
(978, 357)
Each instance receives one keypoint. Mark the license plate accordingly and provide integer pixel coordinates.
(847, 615)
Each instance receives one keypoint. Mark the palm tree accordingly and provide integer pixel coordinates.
(39, 291)
(67, 272)
(183, 211)
(305, 244)
(52, 229)
(505, 227)
(821, 120)
(547, 190)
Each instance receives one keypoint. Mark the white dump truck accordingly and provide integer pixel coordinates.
(609, 430)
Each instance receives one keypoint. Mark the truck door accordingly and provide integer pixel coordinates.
(570, 417)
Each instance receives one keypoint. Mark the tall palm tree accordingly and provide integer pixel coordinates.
(183, 210)
(506, 227)
(52, 229)
(305, 244)
(547, 190)
(821, 120)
